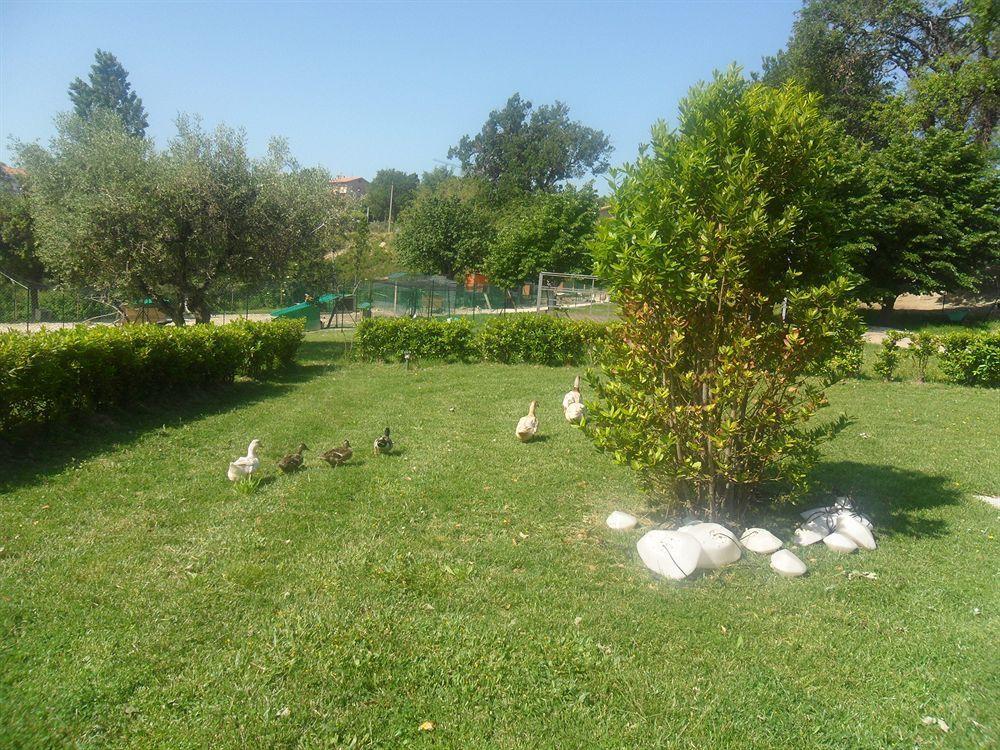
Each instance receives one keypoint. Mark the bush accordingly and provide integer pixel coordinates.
(389, 339)
(972, 358)
(529, 339)
(537, 340)
(53, 375)
(888, 355)
(923, 346)
(727, 252)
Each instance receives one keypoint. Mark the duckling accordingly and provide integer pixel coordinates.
(573, 396)
(339, 456)
(245, 466)
(293, 461)
(527, 426)
(383, 444)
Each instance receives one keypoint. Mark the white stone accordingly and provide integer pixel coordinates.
(840, 543)
(761, 541)
(620, 521)
(786, 563)
(858, 516)
(812, 531)
(718, 544)
(855, 530)
(669, 553)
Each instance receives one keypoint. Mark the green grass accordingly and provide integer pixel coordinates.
(931, 321)
(469, 581)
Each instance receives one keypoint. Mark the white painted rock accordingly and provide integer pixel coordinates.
(620, 521)
(858, 516)
(804, 537)
(855, 530)
(718, 544)
(784, 562)
(761, 541)
(813, 512)
(840, 543)
(669, 553)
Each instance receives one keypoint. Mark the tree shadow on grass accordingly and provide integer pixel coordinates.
(895, 499)
(28, 457)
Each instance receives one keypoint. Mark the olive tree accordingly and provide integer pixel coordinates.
(726, 252)
(111, 211)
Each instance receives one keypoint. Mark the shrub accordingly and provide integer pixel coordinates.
(923, 346)
(529, 339)
(389, 339)
(55, 374)
(709, 386)
(537, 340)
(972, 358)
(888, 355)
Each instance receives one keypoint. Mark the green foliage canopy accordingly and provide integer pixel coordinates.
(443, 234)
(402, 186)
(518, 149)
(108, 88)
(707, 386)
(112, 212)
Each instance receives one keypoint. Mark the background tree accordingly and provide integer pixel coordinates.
(174, 226)
(546, 232)
(442, 234)
(108, 89)
(523, 150)
(708, 384)
(857, 53)
(403, 188)
(933, 215)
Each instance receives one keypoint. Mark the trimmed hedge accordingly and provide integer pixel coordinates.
(509, 339)
(972, 358)
(56, 374)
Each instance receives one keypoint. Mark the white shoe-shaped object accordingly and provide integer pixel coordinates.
(761, 541)
(620, 521)
(840, 543)
(854, 529)
(719, 546)
(812, 531)
(669, 553)
(785, 562)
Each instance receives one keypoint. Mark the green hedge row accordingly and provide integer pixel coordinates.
(510, 339)
(972, 358)
(55, 374)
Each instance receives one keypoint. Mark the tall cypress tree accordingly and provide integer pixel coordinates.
(109, 89)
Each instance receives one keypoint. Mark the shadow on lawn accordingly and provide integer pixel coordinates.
(894, 498)
(30, 457)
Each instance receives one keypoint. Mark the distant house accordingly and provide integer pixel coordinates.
(353, 186)
(11, 177)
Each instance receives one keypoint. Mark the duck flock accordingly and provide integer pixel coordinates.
(245, 467)
(674, 553)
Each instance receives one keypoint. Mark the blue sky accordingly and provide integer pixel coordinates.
(359, 86)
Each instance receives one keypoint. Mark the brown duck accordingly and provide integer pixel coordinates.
(339, 456)
(293, 461)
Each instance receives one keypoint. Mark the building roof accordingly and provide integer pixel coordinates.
(341, 180)
(10, 171)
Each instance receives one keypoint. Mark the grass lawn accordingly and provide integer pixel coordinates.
(469, 581)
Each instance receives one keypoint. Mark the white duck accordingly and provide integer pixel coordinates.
(246, 465)
(573, 406)
(527, 426)
(573, 397)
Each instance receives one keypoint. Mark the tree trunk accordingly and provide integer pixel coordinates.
(887, 304)
(33, 303)
(199, 306)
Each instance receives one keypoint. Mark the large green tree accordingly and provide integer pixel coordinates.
(390, 187)
(443, 234)
(174, 226)
(544, 232)
(521, 148)
(107, 88)
(932, 214)
(726, 251)
(941, 54)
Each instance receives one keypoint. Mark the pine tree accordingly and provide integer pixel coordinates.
(109, 89)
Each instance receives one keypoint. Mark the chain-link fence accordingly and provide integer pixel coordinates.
(27, 307)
